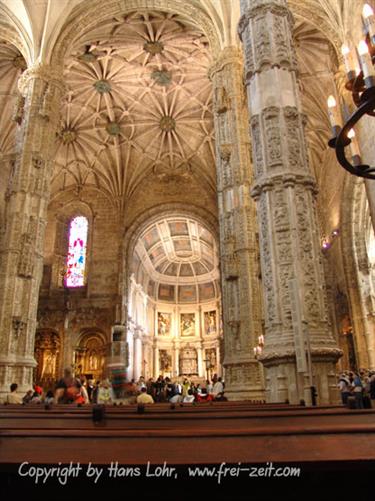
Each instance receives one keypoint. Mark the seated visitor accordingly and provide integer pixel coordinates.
(49, 398)
(90, 389)
(189, 398)
(67, 388)
(185, 387)
(83, 396)
(105, 393)
(28, 397)
(358, 391)
(218, 389)
(36, 398)
(141, 384)
(95, 391)
(144, 397)
(13, 397)
(38, 389)
(169, 389)
(176, 399)
(345, 388)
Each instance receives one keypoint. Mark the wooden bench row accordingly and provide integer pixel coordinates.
(187, 435)
(164, 408)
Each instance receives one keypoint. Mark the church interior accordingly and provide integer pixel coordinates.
(169, 203)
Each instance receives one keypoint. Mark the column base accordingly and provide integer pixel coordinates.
(244, 381)
(18, 370)
(285, 384)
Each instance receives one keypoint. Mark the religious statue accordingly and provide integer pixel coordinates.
(49, 364)
(93, 361)
(25, 263)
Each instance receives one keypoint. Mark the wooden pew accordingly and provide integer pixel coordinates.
(187, 435)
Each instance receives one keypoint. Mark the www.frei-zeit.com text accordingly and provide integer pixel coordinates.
(63, 473)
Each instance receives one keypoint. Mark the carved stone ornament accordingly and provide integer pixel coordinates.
(225, 152)
(26, 259)
(37, 161)
(162, 77)
(18, 326)
(222, 101)
(102, 86)
(19, 109)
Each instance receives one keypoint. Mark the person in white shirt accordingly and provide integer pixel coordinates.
(141, 384)
(176, 399)
(144, 398)
(209, 387)
(13, 397)
(218, 389)
(189, 398)
(344, 386)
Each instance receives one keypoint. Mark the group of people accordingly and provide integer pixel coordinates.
(73, 390)
(360, 385)
(184, 391)
(68, 390)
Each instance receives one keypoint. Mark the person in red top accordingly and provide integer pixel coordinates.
(38, 389)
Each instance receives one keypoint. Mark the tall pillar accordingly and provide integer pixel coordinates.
(237, 219)
(21, 260)
(285, 192)
(137, 366)
(130, 344)
(218, 364)
(176, 359)
(200, 361)
(156, 360)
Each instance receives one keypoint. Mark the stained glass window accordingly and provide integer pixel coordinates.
(76, 261)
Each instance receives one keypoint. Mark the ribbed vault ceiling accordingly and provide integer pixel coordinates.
(138, 104)
(11, 66)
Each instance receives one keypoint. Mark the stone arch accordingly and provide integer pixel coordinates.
(144, 327)
(138, 225)
(90, 14)
(14, 33)
(133, 232)
(312, 15)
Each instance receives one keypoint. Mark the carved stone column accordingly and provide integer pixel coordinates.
(292, 274)
(200, 360)
(21, 260)
(238, 243)
(137, 364)
(156, 360)
(176, 359)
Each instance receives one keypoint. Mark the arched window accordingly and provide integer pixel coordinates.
(76, 260)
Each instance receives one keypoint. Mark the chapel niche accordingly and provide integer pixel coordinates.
(89, 356)
(47, 353)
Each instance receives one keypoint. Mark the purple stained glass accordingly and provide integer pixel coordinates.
(76, 261)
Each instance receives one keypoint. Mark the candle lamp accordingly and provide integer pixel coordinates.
(361, 84)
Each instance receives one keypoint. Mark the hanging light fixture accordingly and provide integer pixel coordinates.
(360, 72)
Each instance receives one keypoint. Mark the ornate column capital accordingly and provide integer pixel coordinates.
(45, 72)
(260, 8)
(265, 29)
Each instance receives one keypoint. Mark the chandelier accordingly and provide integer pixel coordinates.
(360, 73)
